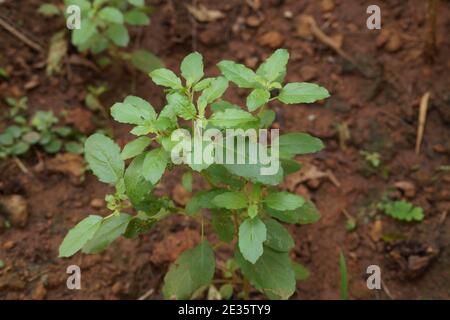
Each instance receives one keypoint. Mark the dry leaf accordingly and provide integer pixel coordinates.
(67, 163)
(56, 53)
(203, 14)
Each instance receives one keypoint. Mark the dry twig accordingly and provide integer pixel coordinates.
(20, 35)
(422, 120)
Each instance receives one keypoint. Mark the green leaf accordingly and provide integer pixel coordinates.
(308, 213)
(278, 238)
(139, 224)
(192, 68)
(155, 164)
(274, 67)
(231, 117)
(53, 146)
(20, 148)
(221, 106)
(6, 138)
(136, 187)
(135, 147)
(302, 92)
(230, 200)
(103, 157)
(137, 3)
(257, 98)
(252, 234)
(239, 74)
(226, 291)
(82, 35)
(344, 280)
(252, 172)
(186, 181)
(402, 210)
(271, 274)
(166, 78)
(145, 61)
(192, 270)
(145, 109)
(48, 10)
(31, 137)
(223, 225)
(133, 110)
(85, 5)
(78, 236)
(283, 201)
(215, 90)
(301, 273)
(125, 113)
(136, 18)
(111, 14)
(74, 147)
(299, 143)
(118, 34)
(182, 106)
(252, 211)
(218, 174)
(290, 165)
(203, 84)
(110, 229)
(202, 200)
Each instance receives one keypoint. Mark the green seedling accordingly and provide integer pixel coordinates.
(372, 158)
(350, 224)
(344, 277)
(17, 106)
(240, 203)
(41, 131)
(401, 210)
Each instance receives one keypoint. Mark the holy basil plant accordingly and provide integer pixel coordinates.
(242, 204)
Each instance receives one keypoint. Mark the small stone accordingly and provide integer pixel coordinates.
(288, 14)
(327, 5)
(407, 187)
(251, 62)
(117, 288)
(382, 38)
(308, 73)
(272, 39)
(39, 292)
(181, 195)
(15, 206)
(304, 28)
(394, 43)
(11, 281)
(97, 203)
(439, 148)
(253, 21)
(9, 245)
(376, 231)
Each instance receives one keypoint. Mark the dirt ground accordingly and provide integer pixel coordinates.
(378, 102)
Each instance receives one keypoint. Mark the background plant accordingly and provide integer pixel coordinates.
(41, 131)
(104, 28)
(242, 203)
